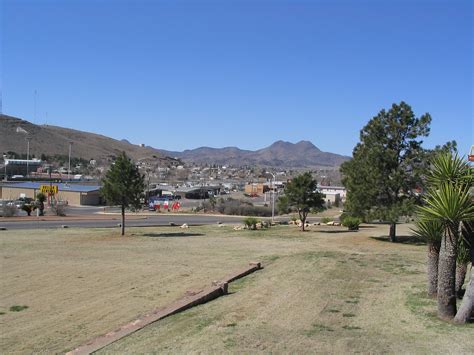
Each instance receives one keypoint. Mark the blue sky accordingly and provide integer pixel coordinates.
(184, 74)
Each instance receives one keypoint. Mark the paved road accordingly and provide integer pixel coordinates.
(149, 221)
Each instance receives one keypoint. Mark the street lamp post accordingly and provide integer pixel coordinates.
(5, 163)
(69, 168)
(273, 196)
(27, 156)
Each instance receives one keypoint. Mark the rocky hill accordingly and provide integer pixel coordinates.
(51, 140)
(303, 154)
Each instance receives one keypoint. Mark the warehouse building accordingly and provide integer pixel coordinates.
(74, 194)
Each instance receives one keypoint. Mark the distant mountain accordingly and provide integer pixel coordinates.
(51, 140)
(303, 154)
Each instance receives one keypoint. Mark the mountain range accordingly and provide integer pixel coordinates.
(303, 154)
(51, 140)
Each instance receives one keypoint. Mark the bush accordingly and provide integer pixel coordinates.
(242, 208)
(251, 222)
(27, 208)
(9, 211)
(59, 209)
(352, 223)
(326, 220)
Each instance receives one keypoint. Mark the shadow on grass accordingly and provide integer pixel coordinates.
(402, 239)
(171, 235)
(336, 231)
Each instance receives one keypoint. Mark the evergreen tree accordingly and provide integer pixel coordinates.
(301, 194)
(123, 185)
(387, 166)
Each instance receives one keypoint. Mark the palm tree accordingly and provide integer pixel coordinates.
(451, 205)
(448, 201)
(462, 261)
(466, 311)
(431, 231)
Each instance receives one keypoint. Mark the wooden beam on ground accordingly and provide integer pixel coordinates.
(191, 299)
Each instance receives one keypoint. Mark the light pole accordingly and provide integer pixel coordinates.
(273, 196)
(69, 168)
(27, 156)
(5, 162)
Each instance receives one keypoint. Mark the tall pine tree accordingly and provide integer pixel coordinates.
(387, 166)
(123, 185)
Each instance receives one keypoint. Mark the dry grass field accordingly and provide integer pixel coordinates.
(322, 291)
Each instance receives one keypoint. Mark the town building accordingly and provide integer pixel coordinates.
(74, 194)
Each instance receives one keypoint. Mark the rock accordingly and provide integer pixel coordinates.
(64, 226)
(220, 225)
(330, 223)
(184, 226)
(172, 224)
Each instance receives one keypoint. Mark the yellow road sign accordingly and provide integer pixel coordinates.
(47, 189)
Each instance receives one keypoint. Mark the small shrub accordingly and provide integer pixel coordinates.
(10, 211)
(352, 223)
(343, 216)
(27, 208)
(326, 220)
(251, 222)
(17, 308)
(59, 209)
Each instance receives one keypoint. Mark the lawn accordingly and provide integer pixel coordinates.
(325, 290)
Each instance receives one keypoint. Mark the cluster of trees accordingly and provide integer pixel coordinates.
(391, 175)
(446, 221)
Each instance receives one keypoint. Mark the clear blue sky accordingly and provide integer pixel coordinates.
(182, 74)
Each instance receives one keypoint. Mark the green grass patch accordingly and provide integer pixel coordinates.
(352, 301)
(351, 327)
(317, 328)
(18, 308)
(348, 315)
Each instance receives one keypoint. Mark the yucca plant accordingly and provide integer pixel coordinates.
(451, 204)
(448, 200)
(431, 231)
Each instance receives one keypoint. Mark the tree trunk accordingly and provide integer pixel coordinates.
(447, 276)
(123, 220)
(461, 270)
(466, 311)
(302, 219)
(432, 269)
(393, 229)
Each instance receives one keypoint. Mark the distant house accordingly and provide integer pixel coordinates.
(333, 190)
(256, 188)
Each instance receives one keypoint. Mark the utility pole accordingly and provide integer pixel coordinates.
(5, 162)
(27, 155)
(69, 168)
(273, 196)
